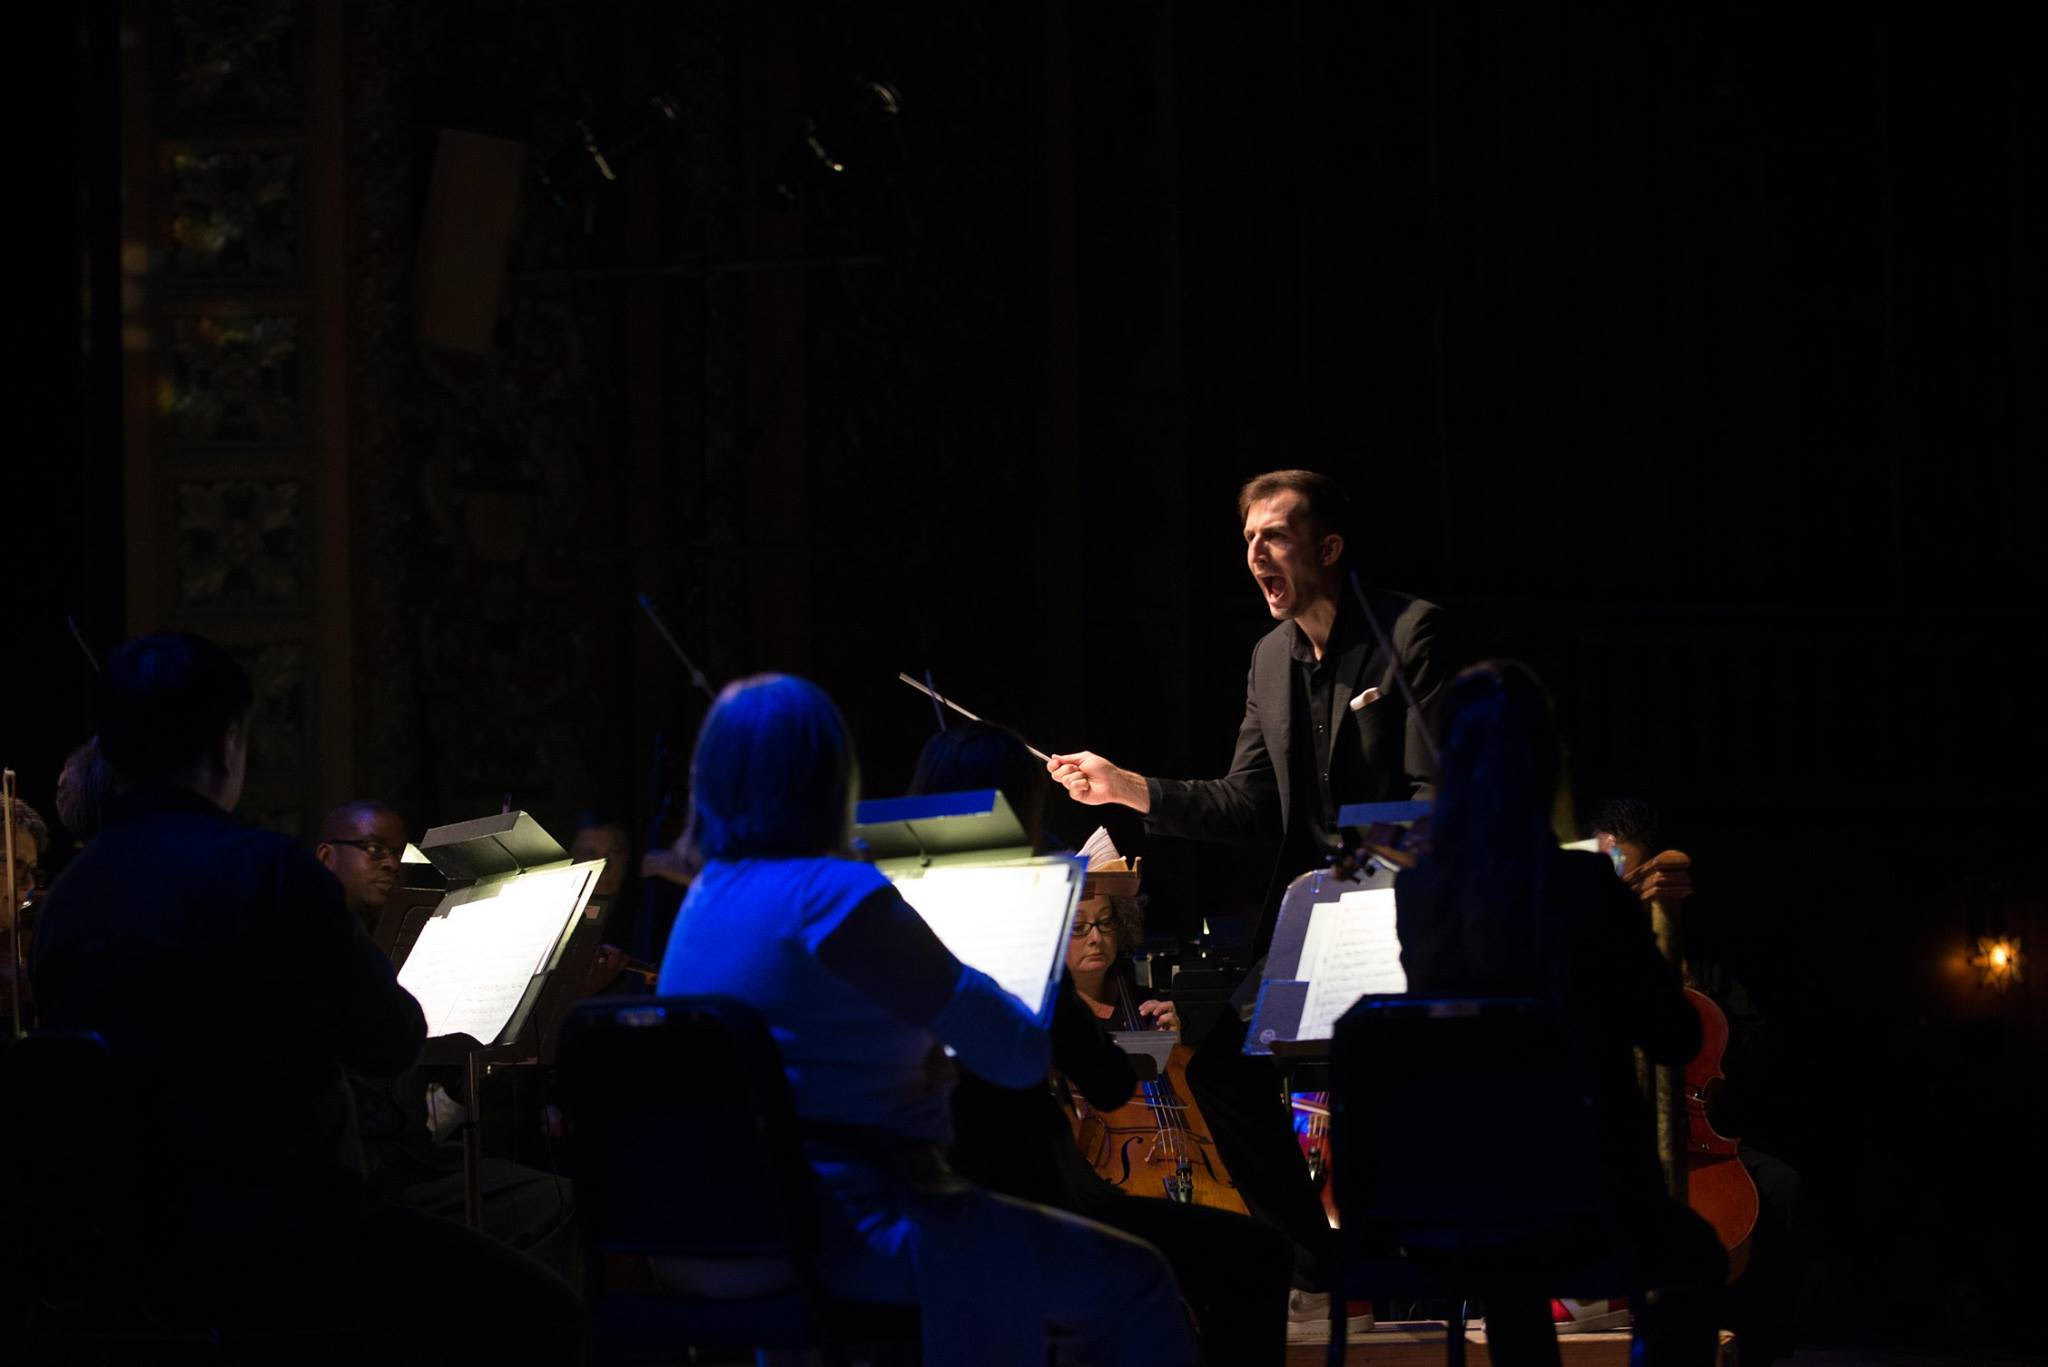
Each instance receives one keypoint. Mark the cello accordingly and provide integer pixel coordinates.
(1157, 1143)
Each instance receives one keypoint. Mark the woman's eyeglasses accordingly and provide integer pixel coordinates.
(1107, 925)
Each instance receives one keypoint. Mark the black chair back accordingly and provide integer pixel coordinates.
(1456, 1122)
(694, 1189)
(1464, 1153)
(68, 1148)
(685, 1133)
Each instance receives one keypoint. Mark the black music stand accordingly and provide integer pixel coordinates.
(930, 844)
(496, 857)
(1287, 986)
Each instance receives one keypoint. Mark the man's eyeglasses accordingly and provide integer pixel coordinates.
(1107, 925)
(376, 851)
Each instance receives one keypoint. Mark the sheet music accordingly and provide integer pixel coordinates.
(1350, 950)
(470, 968)
(1010, 921)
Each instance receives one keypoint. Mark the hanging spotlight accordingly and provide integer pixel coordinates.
(838, 140)
(604, 145)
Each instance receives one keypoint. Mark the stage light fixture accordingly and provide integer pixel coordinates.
(838, 140)
(606, 144)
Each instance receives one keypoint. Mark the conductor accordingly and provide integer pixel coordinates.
(1327, 722)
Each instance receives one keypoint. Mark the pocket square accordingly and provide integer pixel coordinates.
(1365, 699)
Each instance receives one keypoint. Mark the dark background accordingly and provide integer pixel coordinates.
(1691, 353)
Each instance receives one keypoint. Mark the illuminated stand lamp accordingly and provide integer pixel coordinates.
(1999, 962)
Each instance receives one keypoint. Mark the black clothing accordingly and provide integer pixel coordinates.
(1240, 1097)
(1595, 958)
(1016, 1142)
(1314, 761)
(1591, 954)
(234, 987)
(1302, 753)
(223, 968)
(1378, 753)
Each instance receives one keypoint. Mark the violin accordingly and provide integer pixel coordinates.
(1157, 1143)
(1717, 1186)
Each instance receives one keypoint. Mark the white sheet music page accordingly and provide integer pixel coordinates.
(1010, 921)
(1350, 950)
(470, 967)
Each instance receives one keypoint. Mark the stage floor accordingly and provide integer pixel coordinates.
(1420, 1343)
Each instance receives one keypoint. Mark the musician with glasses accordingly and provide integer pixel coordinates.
(1105, 926)
(362, 844)
(407, 1160)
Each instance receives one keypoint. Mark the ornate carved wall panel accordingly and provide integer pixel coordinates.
(235, 468)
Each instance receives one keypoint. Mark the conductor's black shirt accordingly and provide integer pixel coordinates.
(1320, 769)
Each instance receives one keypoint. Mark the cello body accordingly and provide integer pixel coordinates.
(1157, 1144)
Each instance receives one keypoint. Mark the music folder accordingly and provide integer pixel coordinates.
(1334, 941)
(963, 862)
(481, 959)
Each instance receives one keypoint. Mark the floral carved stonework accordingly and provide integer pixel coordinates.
(241, 543)
(239, 60)
(232, 378)
(233, 214)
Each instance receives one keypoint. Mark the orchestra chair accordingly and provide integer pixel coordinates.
(82, 1238)
(1462, 1158)
(74, 1198)
(694, 1192)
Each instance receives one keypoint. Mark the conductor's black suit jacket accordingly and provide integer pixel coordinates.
(1271, 787)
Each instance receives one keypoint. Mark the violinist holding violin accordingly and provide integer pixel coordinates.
(1327, 721)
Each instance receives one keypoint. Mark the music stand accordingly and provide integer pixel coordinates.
(1332, 940)
(482, 960)
(964, 863)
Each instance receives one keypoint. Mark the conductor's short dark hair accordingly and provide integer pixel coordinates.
(1329, 507)
(164, 701)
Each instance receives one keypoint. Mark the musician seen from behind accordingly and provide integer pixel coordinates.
(1021, 1142)
(1496, 907)
(233, 987)
(863, 999)
(1327, 722)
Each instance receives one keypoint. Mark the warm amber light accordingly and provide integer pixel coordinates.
(1998, 961)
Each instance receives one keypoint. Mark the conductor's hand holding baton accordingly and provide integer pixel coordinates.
(1093, 781)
